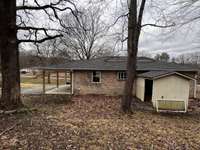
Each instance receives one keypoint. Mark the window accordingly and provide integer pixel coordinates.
(122, 75)
(96, 76)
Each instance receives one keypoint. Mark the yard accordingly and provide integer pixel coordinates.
(38, 80)
(95, 122)
(34, 84)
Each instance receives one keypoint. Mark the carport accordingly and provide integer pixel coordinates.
(64, 87)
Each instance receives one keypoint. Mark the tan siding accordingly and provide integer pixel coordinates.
(198, 91)
(172, 87)
(140, 87)
(192, 83)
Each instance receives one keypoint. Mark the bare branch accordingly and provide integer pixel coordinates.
(39, 41)
(123, 40)
(122, 16)
(158, 26)
(141, 11)
(33, 32)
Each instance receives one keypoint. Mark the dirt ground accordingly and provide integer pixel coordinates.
(95, 122)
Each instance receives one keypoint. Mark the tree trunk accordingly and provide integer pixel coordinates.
(49, 77)
(134, 28)
(132, 57)
(10, 98)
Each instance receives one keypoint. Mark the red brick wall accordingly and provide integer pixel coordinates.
(110, 85)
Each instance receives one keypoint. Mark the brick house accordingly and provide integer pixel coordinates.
(107, 75)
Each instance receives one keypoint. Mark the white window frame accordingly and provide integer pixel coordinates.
(93, 77)
(121, 74)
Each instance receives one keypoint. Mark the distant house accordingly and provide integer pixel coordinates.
(25, 70)
(30, 70)
(156, 80)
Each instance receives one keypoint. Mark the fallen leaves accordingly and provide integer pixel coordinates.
(95, 122)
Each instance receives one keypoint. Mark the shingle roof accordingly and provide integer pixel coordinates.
(119, 63)
(160, 74)
(153, 74)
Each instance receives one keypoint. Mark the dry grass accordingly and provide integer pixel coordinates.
(39, 80)
(95, 122)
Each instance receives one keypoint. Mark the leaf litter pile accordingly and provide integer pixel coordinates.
(95, 122)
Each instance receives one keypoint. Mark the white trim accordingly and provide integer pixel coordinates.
(173, 111)
(174, 99)
(168, 74)
(160, 110)
(152, 96)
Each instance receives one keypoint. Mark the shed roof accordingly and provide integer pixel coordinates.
(118, 63)
(160, 74)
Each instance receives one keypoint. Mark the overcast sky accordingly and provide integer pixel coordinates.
(153, 40)
(175, 41)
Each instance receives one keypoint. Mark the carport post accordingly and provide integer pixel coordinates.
(195, 88)
(71, 82)
(43, 76)
(57, 76)
(65, 77)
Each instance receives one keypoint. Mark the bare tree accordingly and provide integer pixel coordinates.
(9, 43)
(44, 54)
(181, 59)
(188, 58)
(87, 35)
(9, 60)
(135, 17)
(164, 57)
(134, 28)
(144, 54)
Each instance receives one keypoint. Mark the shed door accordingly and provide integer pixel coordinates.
(148, 90)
